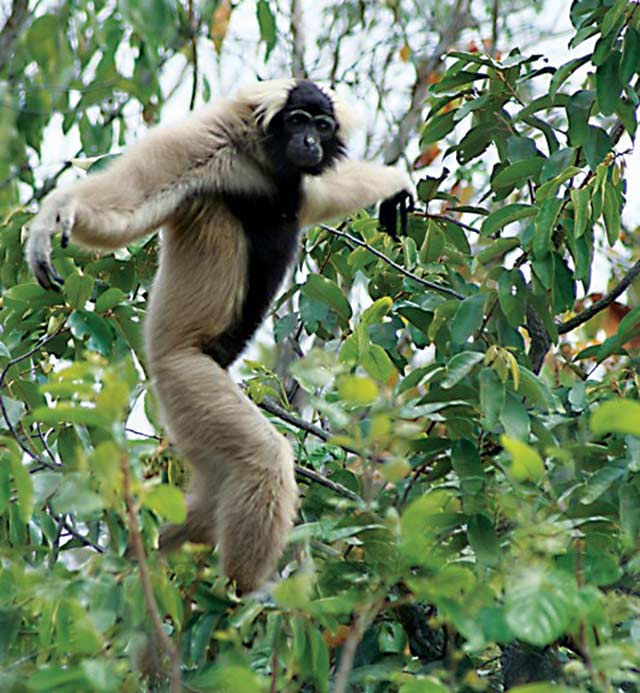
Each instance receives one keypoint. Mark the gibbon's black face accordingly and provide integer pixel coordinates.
(302, 137)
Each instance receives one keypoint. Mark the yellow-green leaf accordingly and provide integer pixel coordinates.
(526, 463)
(617, 416)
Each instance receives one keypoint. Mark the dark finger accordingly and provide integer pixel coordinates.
(403, 216)
(47, 276)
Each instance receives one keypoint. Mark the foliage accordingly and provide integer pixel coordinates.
(466, 511)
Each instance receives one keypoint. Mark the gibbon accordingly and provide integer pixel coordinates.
(231, 186)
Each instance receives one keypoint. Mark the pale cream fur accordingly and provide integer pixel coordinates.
(243, 494)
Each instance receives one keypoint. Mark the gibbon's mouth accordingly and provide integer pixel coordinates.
(308, 159)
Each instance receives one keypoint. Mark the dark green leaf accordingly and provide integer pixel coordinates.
(512, 294)
(506, 215)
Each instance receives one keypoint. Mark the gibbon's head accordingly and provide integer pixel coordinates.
(305, 127)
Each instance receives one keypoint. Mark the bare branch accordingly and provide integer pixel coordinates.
(297, 36)
(362, 622)
(408, 123)
(11, 30)
(327, 483)
(147, 590)
(194, 55)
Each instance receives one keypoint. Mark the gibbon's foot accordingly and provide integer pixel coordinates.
(172, 537)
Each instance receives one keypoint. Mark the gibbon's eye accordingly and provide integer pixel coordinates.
(297, 120)
(325, 125)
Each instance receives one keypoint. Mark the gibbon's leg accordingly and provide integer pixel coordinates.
(243, 493)
(347, 187)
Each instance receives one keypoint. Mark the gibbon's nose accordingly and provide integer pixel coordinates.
(310, 141)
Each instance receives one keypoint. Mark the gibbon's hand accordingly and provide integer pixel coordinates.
(57, 213)
(387, 214)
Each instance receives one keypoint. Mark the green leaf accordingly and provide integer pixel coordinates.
(451, 83)
(544, 226)
(459, 367)
(86, 324)
(564, 72)
(597, 146)
(630, 61)
(581, 199)
(608, 84)
(611, 213)
(433, 244)
(437, 128)
(468, 318)
(109, 299)
(516, 175)
(483, 540)
(551, 186)
(65, 412)
(295, 591)
(327, 291)
(539, 604)
(5, 484)
(492, 397)
(78, 288)
(24, 488)
(15, 411)
(617, 416)
(506, 215)
(497, 248)
(76, 496)
(578, 110)
(512, 295)
(467, 464)
(167, 501)
(377, 363)
(526, 463)
(613, 16)
(557, 163)
(358, 390)
(267, 24)
(377, 310)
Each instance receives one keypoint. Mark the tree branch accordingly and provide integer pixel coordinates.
(298, 69)
(399, 268)
(147, 590)
(409, 122)
(5, 415)
(601, 304)
(12, 29)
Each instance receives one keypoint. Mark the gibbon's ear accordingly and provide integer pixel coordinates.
(266, 99)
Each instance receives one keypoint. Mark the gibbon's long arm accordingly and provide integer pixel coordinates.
(347, 187)
(143, 189)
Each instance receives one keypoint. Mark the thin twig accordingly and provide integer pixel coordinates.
(362, 622)
(601, 304)
(5, 415)
(71, 531)
(399, 268)
(194, 56)
(296, 421)
(323, 481)
(147, 590)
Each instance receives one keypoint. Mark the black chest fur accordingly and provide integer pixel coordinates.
(271, 228)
